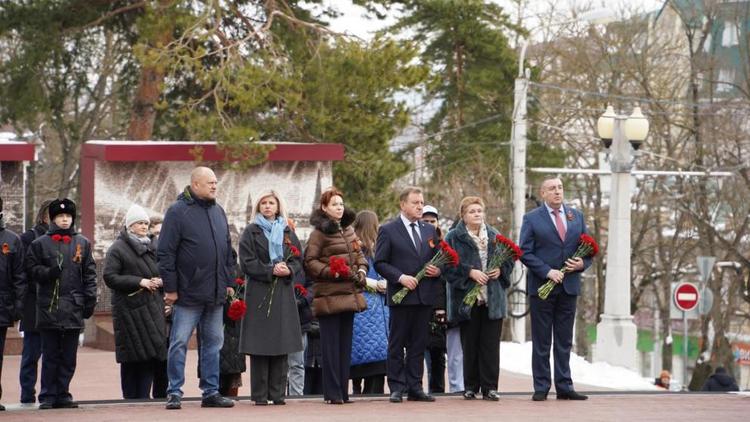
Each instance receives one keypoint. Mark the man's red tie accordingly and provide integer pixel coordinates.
(559, 224)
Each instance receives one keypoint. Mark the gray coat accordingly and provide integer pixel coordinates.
(278, 333)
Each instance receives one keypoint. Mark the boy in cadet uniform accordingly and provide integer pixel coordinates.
(61, 266)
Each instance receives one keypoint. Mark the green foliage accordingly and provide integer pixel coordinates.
(300, 85)
(465, 45)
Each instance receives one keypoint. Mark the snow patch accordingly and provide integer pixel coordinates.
(516, 357)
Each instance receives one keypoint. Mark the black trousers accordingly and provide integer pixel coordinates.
(435, 360)
(313, 380)
(59, 350)
(136, 378)
(336, 354)
(480, 340)
(409, 329)
(3, 333)
(161, 380)
(552, 318)
(268, 377)
(373, 384)
(32, 352)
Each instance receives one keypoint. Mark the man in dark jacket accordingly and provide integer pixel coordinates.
(61, 265)
(12, 283)
(32, 341)
(720, 381)
(196, 267)
(405, 246)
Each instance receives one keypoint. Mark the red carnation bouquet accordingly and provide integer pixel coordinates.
(505, 249)
(268, 298)
(237, 305)
(338, 267)
(444, 255)
(587, 247)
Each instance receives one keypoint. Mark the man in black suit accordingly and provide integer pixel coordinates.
(549, 238)
(405, 245)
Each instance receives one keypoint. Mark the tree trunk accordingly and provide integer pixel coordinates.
(143, 113)
(150, 86)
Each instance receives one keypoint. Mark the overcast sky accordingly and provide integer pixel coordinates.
(356, 23)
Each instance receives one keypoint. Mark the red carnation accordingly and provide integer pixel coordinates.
(56, 237)
(237, 310)
(445, 255)
(294, 250)
(338, 267)
(587, 247)
(300, 289)
(590, 242)
(450, 253)
(239, 281)
(66, 239)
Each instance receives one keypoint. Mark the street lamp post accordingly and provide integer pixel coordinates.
(616, 334)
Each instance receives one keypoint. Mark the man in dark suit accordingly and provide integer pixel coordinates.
(549, 237)
(405, 245)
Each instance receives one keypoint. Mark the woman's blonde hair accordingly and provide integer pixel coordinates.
(366, 227)
(469, 200)
(265, 194)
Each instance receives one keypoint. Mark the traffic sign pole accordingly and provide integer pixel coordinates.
(686, 298)
(684, 348)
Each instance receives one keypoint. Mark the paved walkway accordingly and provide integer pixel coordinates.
(96, 385)
(600, 407)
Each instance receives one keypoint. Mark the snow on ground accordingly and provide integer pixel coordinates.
(516, 357)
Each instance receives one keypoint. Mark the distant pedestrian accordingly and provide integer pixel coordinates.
(721, 380)
(664, 380)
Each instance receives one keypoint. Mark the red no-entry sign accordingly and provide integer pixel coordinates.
(686, 296)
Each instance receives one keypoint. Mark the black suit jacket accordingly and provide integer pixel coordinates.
(395, 255)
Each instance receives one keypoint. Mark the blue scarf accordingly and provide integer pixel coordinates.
(274, 232)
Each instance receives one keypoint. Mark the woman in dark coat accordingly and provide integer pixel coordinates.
(269, 258)
(336, 297)
(131, 272)
(480, 325)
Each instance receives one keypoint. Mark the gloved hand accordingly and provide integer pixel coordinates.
(53, 272)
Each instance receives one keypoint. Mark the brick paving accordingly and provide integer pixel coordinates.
(96, 386)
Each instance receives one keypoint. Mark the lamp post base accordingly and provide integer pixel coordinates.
(616, 339)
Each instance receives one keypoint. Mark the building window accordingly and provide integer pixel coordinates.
(726, 77)
(730, 37)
